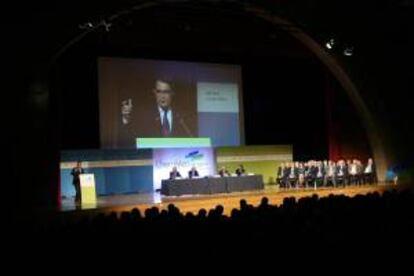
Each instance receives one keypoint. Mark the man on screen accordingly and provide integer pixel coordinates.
(169, 122)
(157, 114)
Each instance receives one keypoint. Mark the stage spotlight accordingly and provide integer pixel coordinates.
(330, 44)
(87, 25)
(349, 51)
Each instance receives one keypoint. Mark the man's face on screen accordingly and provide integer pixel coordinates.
(163, 94)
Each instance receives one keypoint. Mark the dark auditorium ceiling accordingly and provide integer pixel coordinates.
(47, 25)
(380, 32)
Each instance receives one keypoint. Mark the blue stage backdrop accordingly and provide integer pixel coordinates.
(116, 171)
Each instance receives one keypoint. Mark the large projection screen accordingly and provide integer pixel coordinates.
(141, 98)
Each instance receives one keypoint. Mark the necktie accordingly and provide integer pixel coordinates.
(165, 125)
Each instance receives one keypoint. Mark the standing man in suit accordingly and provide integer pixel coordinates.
(370, 174)
(76, 172)
(331, 172)
(280, 177)
(293, 175)
(342, 171)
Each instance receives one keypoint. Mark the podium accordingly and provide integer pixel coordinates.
(87, 187)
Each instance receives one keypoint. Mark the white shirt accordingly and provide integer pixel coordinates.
(368, 169)
(169, 116)
(319, 174)
(331, 170)
(292, 173)
(341, 171)
(353, 169)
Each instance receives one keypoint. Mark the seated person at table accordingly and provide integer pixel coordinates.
(174, 173)
(240, 170)
(193, 172)
(223, 172)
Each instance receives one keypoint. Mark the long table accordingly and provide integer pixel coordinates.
(211, 185)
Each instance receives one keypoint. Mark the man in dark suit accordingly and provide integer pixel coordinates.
(174, 173)
(223, 172)
(170, 123)
(76, 172)
(311, 174)
(370, 174)
(240, 171)
(341, 173)
(193, 172)
(280, 176)
(165, 121)
(142, 119)
(293, 174)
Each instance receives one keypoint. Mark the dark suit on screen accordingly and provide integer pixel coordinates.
(146, 124)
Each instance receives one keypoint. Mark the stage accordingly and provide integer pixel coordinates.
(193, 203)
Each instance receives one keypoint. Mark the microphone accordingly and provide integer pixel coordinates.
(184, 125)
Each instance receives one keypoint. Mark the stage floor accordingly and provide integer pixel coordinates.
(193, 203)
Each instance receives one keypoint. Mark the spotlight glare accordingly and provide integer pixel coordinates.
(330, 43)
(349, 51)
(87, 25)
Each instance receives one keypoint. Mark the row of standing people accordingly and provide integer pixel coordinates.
(326, 173)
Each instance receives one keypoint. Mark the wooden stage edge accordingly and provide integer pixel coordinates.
(230, 201)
